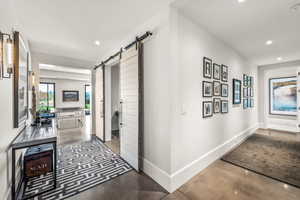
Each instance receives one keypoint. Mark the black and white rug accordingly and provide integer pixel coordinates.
(79, 168)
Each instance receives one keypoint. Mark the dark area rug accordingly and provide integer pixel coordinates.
(80, 167)
(275, 157)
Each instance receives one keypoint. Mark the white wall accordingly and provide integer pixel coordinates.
(8, 133)
(61, 85)
(285, 123)
(196, 142)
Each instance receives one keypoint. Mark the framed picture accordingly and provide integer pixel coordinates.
(224, 90)
(207, 89)
(237, 91)
(245, 79)
(20, 60)
(217, 105)
(224, 73)
(70, 96)
(283, 96)
(251, 103)
(207, 109)
(207, 67)
(224, 106)
(245, 92)
(245, 103)
(251, 92)
(217, 88)
(217, 71)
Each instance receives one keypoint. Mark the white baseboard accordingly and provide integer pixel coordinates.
(157, 174)
(175, 180)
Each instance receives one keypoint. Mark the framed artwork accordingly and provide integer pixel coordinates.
(248, 102)
(217, 71)
(245, 103)
(251, 81)
(224, 73)
(70, 96)
(251, 103)
(207, 109)
(217, 88)
(237, 91)
(245, 92)
(217, 105)
(20, 81)
(207, 67)
(245, 80)
(224, 90)
(207, 89)
(224, 106)
(283, 96)
(1, 55)
(251, 92)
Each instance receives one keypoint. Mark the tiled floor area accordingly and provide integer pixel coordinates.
(219, 181)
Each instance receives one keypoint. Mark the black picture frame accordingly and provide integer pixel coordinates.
(251, 103)
(236, 91)
(245, 103)
(209, 104)
(70, 95)
(207, 67)
(20, 81)
(224, 109)
(216, 71)
(217, 105)
(245, 92)
(224, 73)
(216, 88)
(224, 87)
(204, 89)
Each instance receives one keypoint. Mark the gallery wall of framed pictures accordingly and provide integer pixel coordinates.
(214, 88)
(248, 91)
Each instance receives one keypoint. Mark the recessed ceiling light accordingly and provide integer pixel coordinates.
(279, 58)
(241, 1)
(269, 42)
(97, 42)
(295, 7)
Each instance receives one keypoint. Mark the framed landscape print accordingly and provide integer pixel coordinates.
(224, 106)
(224, 90)
(217, 88)
(70, 96)
(237, 91)
(207, 109)
(207, 89)
(283, 96)
(207, 67)
(20, 81)
(245, 103)
(224, 73)
(217, 105)
(217, 71)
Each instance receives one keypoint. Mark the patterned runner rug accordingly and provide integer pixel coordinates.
(80, 167)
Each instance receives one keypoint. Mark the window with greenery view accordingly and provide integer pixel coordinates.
(88, 97)
(47, 97)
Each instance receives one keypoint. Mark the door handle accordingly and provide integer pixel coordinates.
(121, 113)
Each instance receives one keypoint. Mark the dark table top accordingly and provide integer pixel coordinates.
(31, 136)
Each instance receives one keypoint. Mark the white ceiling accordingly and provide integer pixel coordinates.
(69, 28)
(247, 26)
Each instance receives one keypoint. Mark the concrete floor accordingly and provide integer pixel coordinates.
(219, 181)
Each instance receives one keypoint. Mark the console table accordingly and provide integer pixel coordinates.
(76, 115)
(33, 136)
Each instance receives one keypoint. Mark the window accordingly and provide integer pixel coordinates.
(47, 96)
(88, 98)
